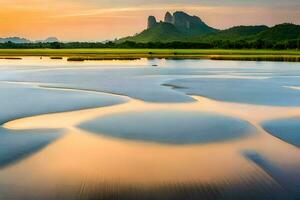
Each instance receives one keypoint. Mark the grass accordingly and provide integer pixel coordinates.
(279, 58)
(56, 57)
(132, 54)
(116, 57)
(10, 58)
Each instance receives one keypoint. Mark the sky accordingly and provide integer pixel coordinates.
(97, 20)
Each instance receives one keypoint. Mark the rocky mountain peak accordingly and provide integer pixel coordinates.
(168, 18)
(151, 22)
(183, 22)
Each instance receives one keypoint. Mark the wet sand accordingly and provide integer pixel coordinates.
(81, 155)
(85, 165)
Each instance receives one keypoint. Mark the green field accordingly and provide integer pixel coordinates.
(101, 54)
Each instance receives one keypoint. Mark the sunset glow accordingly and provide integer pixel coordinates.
(96, 20)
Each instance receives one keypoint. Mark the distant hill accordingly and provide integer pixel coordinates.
(233, 34)
(281, 32)
(181, 27)
(48, 40)
(16, 40)
(275, 34)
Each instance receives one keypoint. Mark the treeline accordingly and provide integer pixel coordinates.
(257, 44)
(218, 44)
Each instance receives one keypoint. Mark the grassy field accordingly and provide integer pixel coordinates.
(104, 54)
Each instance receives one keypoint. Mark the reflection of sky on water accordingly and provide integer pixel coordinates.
(262, 92)
(171, 127)
(16, 145)
(145, 82)
(285, 129)
(19, 101)
(39, 87)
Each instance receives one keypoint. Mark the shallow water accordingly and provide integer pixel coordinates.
(169, 126)
(285, 129)
(185, 129)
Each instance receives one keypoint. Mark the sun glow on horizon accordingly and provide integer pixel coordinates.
(93, 20)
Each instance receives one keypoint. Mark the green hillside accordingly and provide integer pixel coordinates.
(275, 34)
(281, 32)
(233, 34)
(182, 27)
(161, 32)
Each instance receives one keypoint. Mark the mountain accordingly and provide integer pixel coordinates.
(275, 34)
(183, 27)
(169, 18)
(48, 40)
(160, 32)
(190, 25)
(175, 27)
(281, 32)
(151, 22)
(16, 40)
(233, 34)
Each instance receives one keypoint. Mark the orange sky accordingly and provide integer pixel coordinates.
(100, 19)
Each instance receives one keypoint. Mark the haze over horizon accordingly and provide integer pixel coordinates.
(96, 20)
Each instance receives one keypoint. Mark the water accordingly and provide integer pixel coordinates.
(169, 126)
(184, 129)
(16, 145)
(285, 129)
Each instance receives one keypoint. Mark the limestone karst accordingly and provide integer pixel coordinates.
(151, 21)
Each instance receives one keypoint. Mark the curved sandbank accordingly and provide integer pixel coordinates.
(82, 159)
(147, 162)
(140, 80)
(255, 114)
(19, 100)
(28, 99)
(270, 91)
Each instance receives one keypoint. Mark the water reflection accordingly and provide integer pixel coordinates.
(285, 129)
(169, 126)
(269, 91)
(22, 99)
(144, 159)
(16, 145)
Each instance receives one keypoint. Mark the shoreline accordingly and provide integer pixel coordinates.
(207, 105)
(136, 54)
